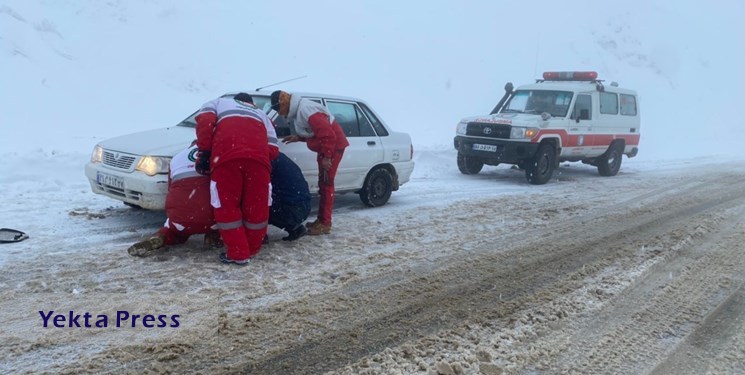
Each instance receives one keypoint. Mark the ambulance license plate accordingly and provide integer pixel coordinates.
(480, 147)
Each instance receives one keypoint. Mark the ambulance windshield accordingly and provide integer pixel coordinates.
(538, 101)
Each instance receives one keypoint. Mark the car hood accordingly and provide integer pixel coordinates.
(517, 119)
(159, 142)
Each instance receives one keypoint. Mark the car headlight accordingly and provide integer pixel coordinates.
(97, 155)
(461, 128)
(523, 133)
(153, 165)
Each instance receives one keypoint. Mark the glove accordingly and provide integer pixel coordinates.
(202, 165)
(326, 164)
(291, 139)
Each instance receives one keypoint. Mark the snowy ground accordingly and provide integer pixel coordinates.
(486, 274)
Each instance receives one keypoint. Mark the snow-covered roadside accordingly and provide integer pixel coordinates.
(46, 194)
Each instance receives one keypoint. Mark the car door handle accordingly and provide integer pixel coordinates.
(371, 143)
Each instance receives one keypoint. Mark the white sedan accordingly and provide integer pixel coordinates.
(134, 168)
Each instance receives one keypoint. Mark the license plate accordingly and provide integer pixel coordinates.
(480, 147)
(107, 179)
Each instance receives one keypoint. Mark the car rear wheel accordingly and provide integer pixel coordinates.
(377, 188)
(610, 163)
(539, 170)
(469, 164)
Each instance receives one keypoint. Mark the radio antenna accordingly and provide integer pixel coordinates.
(537, 52)
(277, 83)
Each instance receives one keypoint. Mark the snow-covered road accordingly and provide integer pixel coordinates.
(637, 273)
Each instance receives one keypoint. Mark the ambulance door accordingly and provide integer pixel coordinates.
(581, 127)
(609, 124)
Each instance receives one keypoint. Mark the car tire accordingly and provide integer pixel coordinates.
(469, 164)
(539, 170)
(610, 163)
(377, 188)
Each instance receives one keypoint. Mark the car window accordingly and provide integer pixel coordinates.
(351, 119)
(261, 102)
(377, 125)
(189, 122)
(366, 129)
(628, 105)
(608, 103)
(583, 107)
(317, 100)
(282, 127)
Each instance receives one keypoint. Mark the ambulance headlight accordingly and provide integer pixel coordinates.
(523, 133)
(461, 128)
(153, 165)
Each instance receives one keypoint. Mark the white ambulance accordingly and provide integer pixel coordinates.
(566, 116)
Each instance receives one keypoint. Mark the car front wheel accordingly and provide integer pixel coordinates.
(469, 164)
(539, 170)
(377, 188)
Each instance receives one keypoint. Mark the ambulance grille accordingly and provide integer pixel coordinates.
(481, 129)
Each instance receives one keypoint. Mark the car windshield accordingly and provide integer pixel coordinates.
(259, 101)
(538, 101)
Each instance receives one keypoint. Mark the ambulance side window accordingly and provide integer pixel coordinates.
(582, 108)
(628, 105)
(608, 103)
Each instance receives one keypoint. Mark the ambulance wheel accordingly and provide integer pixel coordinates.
(539, 170)
(469, 164)
(610, 162)
(377, 188)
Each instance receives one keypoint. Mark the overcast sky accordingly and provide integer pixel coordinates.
(76, 72)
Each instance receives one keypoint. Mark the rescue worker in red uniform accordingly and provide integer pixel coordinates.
(315, 126)
(187, 207)
(236, 145)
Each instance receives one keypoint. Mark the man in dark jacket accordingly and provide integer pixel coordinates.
(290, 198)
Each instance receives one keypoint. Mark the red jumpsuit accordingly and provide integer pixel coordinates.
(187, 202)
(322, 134)
(242, 142)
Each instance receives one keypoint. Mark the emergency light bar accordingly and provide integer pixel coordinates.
(570, 76)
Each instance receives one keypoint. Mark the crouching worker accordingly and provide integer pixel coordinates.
(290, 198)
(188, 209)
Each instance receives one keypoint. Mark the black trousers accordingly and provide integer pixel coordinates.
(288, 216)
